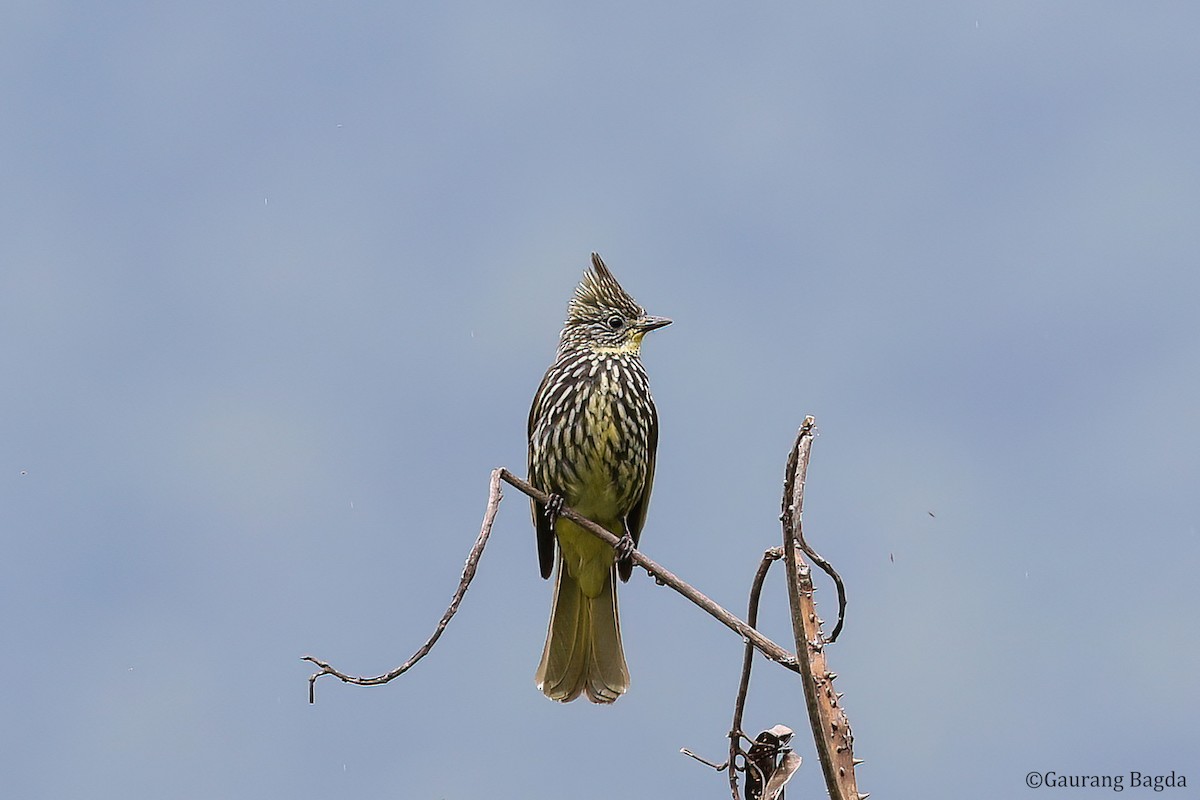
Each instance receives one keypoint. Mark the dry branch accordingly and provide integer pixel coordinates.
(665, 577)
(831, 728)
(468, 573)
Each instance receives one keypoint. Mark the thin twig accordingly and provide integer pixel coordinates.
(831, 728)
(705, 761)
(828, 569)
(736, 731)
(494, 495)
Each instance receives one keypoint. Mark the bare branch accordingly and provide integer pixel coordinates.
(663, 576)
(494, 495)
(831, 728)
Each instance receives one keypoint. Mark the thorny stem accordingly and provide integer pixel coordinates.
(830, 726)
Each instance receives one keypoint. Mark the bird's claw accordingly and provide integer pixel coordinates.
(554, 508)
(625, 547)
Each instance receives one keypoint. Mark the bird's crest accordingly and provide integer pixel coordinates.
(599, 290)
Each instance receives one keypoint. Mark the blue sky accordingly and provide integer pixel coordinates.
(278, 281)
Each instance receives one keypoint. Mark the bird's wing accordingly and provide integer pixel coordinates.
(545, 531)
(636, 518)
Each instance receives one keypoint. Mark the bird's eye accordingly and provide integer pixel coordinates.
(615, 322)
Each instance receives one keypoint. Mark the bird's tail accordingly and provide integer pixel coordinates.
(583, 646)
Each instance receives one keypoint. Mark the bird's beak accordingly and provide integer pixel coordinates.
(648, 323)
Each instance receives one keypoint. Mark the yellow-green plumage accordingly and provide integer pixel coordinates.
(593, 432)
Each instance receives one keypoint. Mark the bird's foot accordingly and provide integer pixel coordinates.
(554, 508)
(625, 547)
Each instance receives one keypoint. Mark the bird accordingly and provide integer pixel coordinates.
(593, 438)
